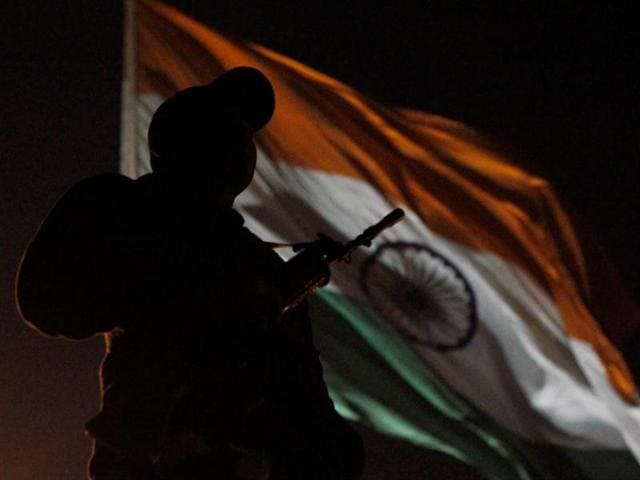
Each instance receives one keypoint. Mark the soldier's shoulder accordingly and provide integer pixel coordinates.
(98, 194)
(104, 183)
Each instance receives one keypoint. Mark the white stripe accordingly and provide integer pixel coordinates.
(629, 418)
(519, 368)
(145, 107)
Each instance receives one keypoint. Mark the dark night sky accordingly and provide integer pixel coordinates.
(558, 87)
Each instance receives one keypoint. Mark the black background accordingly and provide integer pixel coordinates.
(557, 85)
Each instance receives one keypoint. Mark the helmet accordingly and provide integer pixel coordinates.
(211, 123)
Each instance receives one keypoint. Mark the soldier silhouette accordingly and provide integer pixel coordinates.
(199, 381)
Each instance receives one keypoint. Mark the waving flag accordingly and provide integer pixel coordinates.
(466, 328)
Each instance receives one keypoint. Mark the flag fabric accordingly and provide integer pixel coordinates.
(465, 328)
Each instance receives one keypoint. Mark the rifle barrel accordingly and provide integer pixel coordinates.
(390, 219)
(365, 238)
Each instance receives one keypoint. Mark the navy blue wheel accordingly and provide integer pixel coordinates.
(422, 294)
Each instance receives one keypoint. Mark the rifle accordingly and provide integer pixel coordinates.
(309, 270)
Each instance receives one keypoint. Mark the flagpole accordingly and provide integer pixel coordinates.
(128, 108)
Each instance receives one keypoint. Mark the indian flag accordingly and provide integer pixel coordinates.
(465, 328)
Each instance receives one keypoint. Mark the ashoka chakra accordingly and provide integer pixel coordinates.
(421, 293)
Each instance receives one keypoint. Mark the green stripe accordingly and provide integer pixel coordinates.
(376, 378)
